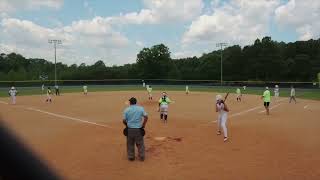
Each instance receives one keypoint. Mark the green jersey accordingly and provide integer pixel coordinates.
(164, 101)
(266, 96)
(238, 91)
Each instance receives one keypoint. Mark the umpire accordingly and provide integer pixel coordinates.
(132, 119)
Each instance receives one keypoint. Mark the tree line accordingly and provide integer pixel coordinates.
(264, 60)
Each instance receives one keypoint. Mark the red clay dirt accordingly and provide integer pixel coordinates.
(284, 145)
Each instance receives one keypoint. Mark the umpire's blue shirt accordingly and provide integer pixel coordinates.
(133, 116)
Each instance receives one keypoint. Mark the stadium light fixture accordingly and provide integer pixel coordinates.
(221, 45)
(55, 42)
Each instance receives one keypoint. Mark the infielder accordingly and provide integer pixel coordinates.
(239, 95)
(164, 102)
(187, 90)
(276, 91)
(266, 99)
(13, 93)
(85, 90)
(42, 88)
(149, 89)
(222, 109)
(56, 87)
(292, 95)
(49, 95)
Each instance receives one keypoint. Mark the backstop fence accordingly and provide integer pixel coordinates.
(208, 83)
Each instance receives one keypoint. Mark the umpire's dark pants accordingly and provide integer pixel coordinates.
(135, 138)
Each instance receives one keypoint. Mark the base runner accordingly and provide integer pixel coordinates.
(222, 109)
(13, 93)
(164, 102)
(49, 95)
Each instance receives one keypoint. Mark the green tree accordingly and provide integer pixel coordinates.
(154, 62)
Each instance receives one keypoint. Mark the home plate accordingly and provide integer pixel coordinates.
(160, 138)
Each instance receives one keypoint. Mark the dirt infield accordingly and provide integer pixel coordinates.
(81, 137)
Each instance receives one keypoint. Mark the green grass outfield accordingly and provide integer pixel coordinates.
(284, 92)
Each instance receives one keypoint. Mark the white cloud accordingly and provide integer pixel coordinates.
(163, 11)
(85, 4)
(88, 7)
(139, 43)
(236, 21)
(215, 3)
(13, 5)
(94, 38)
(96, 32)
(302, 16)
(3, 15)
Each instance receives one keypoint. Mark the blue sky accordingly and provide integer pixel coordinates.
(114, 31)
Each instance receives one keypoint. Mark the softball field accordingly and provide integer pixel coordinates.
(81, 137)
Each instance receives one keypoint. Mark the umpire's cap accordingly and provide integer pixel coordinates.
(133, 100)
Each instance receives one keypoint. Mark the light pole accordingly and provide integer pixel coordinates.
(55, 42)
(221, 45)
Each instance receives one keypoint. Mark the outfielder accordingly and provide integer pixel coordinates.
(149, 89)
(223, 110)
(239, 95)
(85, 90)
(164, 102)
(276, 91)
(187, 90)
(293, 95)
(49, 95)
(13, 93)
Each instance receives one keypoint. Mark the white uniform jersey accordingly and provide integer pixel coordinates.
(13, 92)
(293, 92)
(276, 90)
(85, 88)
(220, 108)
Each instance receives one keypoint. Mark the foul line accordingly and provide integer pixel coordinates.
(240, 113)
(61, 116)
(243, 112)
(2, 102)
(67, 117)
(249, 110)
(271, 108)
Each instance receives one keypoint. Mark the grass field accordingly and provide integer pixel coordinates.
(284, 92)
